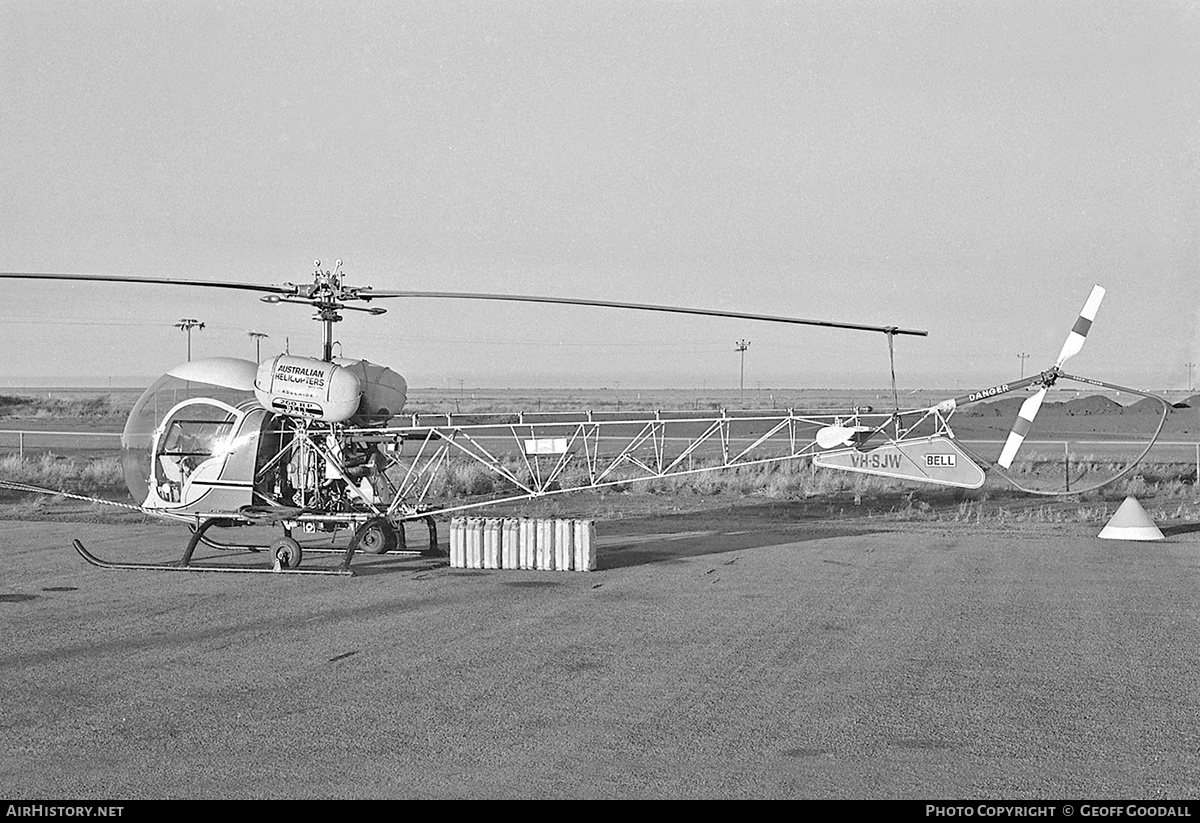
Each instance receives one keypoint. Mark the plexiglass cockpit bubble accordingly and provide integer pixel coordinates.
(228, 381)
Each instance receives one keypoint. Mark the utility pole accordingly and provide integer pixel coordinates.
(187, 324)
(1023, 357)
(742, 345)
(1190, 366)
(257, 337)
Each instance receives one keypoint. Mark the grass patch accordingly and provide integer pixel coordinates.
(101, 477)
(41, 408)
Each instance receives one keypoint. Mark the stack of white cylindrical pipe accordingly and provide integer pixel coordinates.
(554, 544)
(491, 543)
(527, 547)
(545, 544)
(510, 544)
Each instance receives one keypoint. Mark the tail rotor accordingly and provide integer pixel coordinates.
(1021, 427)
(1079, 332)
(1029, 409)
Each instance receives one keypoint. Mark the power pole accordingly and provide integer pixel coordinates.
(742, 345)
(187, 324)
(257, 337)
(1023, 357)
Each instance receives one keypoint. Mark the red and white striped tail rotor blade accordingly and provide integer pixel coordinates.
(1016, 437)
(1082, 325)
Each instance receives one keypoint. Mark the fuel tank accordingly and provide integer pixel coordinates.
(308, 387)
(383, 392)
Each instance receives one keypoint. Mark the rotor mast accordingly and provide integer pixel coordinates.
(327, 305)
(328, 317)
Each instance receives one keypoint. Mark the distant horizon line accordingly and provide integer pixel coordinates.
(131, 383)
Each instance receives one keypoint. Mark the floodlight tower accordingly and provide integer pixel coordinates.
(257, 337)
(741, 347)
(1023, 357)
(187, 324)
(1190, 366)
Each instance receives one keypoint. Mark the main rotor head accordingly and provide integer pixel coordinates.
(327, 293)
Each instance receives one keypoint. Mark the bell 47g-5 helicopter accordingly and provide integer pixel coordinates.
(321, 448)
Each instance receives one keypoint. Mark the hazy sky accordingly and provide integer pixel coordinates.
(970, 168)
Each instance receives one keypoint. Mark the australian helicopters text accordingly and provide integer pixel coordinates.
(301, 374)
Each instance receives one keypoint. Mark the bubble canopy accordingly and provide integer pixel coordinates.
(223, 379)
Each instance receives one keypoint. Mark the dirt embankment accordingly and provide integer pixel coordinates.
(1092, 414)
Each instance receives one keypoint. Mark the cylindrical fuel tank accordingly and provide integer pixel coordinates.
(383, 392)
(308, 387)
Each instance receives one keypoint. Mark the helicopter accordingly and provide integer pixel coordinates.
(321, 446)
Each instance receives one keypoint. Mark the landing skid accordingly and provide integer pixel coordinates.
(433, 550)
(285, 552)
(180, 566)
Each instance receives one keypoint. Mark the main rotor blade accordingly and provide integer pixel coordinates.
(367, 293)
(166, 281)
(371, 294)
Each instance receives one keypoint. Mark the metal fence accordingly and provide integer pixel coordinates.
(22, 442)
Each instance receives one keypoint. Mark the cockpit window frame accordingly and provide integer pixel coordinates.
(170, 489)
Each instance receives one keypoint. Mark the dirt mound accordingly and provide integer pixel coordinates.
(1147, 405)
(1092, 404)
(1076, 407)
(997, 408)
(1009, 407)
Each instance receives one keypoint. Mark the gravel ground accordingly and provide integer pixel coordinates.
(753, 654)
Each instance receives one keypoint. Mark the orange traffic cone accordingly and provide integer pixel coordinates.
(1131, 523)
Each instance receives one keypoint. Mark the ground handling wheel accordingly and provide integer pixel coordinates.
(286, 553)
(378, 536)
